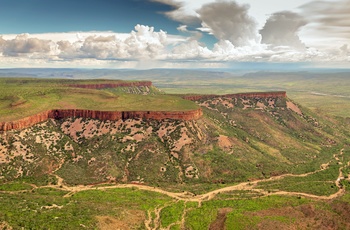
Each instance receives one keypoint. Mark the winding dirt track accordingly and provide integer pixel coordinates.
(186, 196)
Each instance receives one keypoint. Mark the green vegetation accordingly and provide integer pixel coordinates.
(320, 183)
(20, 98)
(172, 213)
(14, 186)
(48, 209)
(129, 207)
(51, 172)
(200, 218)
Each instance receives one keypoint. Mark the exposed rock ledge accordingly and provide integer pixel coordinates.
(277, 94)
(101, 115)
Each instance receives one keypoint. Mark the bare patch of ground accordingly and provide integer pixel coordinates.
(224, 142)
(184, 140)
(260, 105)
(127, 220)
(5, 225)
(294, 107)
(271, 102)
(246, 103)
(219, 223)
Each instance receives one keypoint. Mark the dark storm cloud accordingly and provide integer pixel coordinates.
(282, 28)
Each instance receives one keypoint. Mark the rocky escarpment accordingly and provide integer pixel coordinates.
(100, 115)
(112, 85)
(277, 94)
(25, 122)
(116, 115)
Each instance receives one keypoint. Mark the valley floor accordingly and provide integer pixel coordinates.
(153, 220)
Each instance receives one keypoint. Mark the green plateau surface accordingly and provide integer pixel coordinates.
(21, 98)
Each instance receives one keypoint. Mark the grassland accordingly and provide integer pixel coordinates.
(132, 208)
(263, 145)
(323, 92)
(321, 183)
(20, 98)
(47, 208)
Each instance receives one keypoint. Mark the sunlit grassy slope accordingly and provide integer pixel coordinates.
(24, 97)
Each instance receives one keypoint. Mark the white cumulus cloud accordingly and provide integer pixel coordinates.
(22, 45)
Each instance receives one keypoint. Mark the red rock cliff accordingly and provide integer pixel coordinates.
(101, 115)
(25, 122)
(112, 85)
(277, 94)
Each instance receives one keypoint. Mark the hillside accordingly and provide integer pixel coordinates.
(194, 174)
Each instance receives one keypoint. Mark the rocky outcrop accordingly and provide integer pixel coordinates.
(112, 85)
(116, 115)
(25, 122)
(278, 94)
(100, 115)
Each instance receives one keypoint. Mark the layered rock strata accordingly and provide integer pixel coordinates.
(100, 115)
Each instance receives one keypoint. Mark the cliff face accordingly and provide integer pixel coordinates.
(278, 94)
(116, 115)
(100, 115)
(112, 85)
(24, 122)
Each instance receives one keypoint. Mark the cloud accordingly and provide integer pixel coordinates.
(144, 42)
(183, 11)
(226, 51)
(141, 43)
(190, 50)
(194, 35)
(22, 45)
(282, 28)
(144, 47)
(329, 23)
(229, 21)
(99, 47)
(329, 13)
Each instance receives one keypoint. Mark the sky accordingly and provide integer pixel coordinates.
(146, 34)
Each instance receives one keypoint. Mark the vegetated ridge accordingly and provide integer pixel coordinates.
(116, 115)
